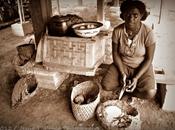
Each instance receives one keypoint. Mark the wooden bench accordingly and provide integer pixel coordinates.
(162, 80)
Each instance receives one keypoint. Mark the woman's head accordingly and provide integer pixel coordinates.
(129, 5)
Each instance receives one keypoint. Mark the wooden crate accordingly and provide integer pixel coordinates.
(73, 53)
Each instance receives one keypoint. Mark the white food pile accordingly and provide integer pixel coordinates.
(111, 113)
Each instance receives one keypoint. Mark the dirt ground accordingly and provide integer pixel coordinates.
(51, 110)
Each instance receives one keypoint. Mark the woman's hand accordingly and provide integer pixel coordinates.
(123, 80)
(131, 86)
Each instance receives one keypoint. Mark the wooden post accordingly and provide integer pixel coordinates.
(80, 2)
(46, 9)
(40, 14)
(116, 3)
(100, 10)
(161, 89)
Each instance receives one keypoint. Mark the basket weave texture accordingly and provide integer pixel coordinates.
(83, 112)
(24, 69)
(24, 89)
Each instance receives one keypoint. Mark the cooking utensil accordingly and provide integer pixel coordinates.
(122, 91)
(125, 86)
(57, 25)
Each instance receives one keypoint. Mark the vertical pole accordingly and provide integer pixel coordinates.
(80, 2)
(160, 13)
(100, 10)
(19, 11)
(116, 3)
(46, 10)
(22, 10)
(58, 5)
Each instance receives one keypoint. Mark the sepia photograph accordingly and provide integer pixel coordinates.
(87, 65)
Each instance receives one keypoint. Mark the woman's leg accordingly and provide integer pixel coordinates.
(110, 81)
(110, 84)
(147, 94)
(146, 86)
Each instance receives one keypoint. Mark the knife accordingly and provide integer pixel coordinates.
(122, 92)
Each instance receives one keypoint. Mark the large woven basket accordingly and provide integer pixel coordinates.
(25, 88)
(83, 112)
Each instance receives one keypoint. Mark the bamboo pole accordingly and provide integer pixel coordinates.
(19, 11)
(22, 11)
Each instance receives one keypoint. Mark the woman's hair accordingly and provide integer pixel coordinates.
(130, 4)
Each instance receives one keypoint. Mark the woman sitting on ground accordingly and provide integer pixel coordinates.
(133, 46)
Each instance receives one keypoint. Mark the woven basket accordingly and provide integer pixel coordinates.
(83, 112)
(24, 69)
(101, 115)
(25, 88)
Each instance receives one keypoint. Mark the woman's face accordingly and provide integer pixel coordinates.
(132, 18)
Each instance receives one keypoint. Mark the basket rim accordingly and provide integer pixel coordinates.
(78, 86)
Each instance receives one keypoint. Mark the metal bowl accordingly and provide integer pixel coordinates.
(87, 29)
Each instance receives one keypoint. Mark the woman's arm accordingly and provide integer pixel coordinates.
(143, 67)
(147, 61)
(116, 58)
(118, 63)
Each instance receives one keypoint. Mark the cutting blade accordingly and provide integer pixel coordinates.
(121, 93)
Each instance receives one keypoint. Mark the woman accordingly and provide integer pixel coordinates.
(133, 47)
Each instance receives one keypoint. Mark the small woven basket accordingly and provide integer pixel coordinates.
(23, 69)
(83, 112)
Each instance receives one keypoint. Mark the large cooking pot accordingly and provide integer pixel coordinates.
(60, 25)
(57, 25)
